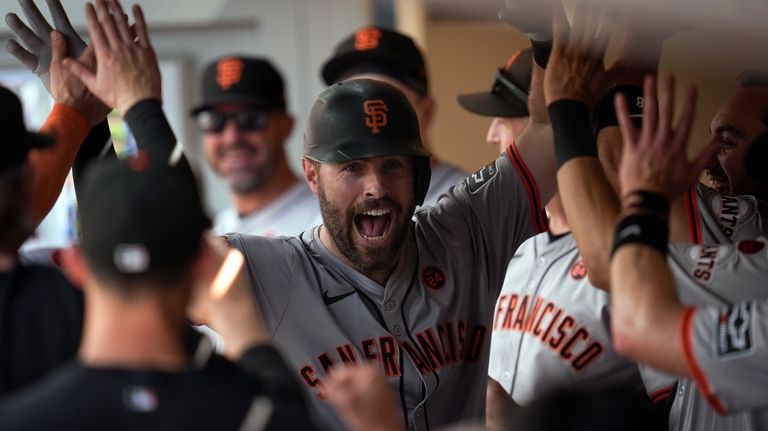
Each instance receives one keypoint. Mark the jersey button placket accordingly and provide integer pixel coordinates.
(390, 305)
(397, 330)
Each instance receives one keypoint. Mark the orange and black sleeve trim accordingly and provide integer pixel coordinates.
(51, 165)
(694, 218)
(538, 217)
(686, 323)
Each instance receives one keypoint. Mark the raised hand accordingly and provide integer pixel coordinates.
(654, 159)
(531, 17)
(38, 53)
(575, 69)
(126, 70)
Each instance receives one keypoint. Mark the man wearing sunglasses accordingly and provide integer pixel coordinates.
(245, 125)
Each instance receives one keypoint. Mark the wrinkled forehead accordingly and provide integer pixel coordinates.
(372, 161)
(744, 112)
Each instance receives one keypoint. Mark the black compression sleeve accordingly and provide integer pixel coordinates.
(97, 145)
(153, 134)
(572, 130)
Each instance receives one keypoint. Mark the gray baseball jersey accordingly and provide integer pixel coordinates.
(551, 328)
(715, 218)
(444, 176)
(428, 329)
(717, 278)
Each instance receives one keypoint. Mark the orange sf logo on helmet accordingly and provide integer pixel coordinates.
(229, 72)
(367, 38)
(375, 114)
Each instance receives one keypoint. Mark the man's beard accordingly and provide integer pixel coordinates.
(251, 179)
(340, 225)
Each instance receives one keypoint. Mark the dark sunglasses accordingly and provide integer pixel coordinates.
(251, 120)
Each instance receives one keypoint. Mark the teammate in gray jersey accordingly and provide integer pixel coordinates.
(412, 294)
(720, 348)
(551, 327)
(379, 286)
(593, 213)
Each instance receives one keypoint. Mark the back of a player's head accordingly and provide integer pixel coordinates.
(756, 162)
(15, 226)
(142, 222)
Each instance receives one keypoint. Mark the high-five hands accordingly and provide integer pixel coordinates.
(126, 70)
(46, 49)
(654, 159)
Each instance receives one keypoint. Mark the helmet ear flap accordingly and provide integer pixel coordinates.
(422, 174)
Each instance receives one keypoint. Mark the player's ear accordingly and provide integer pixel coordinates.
(74, 266)
(311, 173)
(427, 108)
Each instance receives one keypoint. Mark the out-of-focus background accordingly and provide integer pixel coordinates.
(463, 41)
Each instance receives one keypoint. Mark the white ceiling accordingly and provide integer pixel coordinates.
(482, 10)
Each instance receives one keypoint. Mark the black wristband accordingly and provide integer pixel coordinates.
(572, 130)
(647, 202)
(606, 111)
(642, 229)
(541, 51)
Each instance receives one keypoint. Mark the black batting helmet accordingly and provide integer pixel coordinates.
(364, 118)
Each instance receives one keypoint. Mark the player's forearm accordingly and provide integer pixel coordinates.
(645, 311)
(591, 207)
(500, 408)
(51, 165)
(535, 143)
(589, 201)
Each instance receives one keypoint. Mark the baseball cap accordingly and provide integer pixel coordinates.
(140, 217)
(509, 93)
(244, 80)
(17, 139)
(378, 50)
(359, 119)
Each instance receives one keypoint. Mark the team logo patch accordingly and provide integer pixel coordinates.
(433, 278)
(140, 398)
(229, 71)
(367, 38)
(482, 177)
(750, 246)
(578, 270)
(734, 330)
(375, 115)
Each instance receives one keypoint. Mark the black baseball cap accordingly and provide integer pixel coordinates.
(378, 50)
(509, 93)
(17, 140)
(244, 80)
(140, 217)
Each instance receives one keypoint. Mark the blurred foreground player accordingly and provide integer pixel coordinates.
(40, 311)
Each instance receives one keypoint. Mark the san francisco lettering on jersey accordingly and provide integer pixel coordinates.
(550, 324)
(434, 348)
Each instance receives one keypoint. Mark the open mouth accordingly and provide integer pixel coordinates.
(373, 225)
(719, 180)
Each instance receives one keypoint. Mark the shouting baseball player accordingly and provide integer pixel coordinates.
(413, 294)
